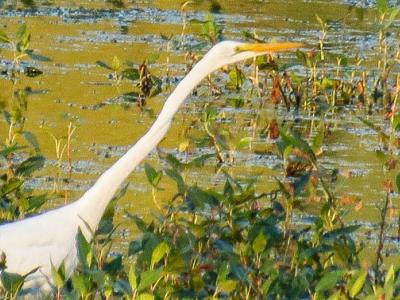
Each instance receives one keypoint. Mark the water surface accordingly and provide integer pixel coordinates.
(73, 88)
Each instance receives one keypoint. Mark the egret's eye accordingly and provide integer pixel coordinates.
(238, 49)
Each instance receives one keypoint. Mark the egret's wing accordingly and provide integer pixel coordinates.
(37, 241)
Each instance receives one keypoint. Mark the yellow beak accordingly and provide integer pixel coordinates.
(269, 47)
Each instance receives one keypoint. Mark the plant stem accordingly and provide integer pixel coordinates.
(379, 258)
(213, 140)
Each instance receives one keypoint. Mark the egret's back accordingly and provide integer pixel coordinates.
(40, 241)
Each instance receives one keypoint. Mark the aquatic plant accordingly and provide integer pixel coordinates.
(20, 49)
(234, 243)
(20, 157)
(62, 148)
(147, 85)
(235, 240)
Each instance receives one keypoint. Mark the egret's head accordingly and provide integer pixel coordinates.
(229, 52)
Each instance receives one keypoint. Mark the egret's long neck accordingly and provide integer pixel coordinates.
(91, 206)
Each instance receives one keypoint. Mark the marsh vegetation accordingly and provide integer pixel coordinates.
(278, 180)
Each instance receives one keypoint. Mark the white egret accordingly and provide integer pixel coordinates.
(49, 238)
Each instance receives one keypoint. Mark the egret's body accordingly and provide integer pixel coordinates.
(49, 238)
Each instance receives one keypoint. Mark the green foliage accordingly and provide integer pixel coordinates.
(231, 241)
(12, 283)
(236, 79)
(59, 276)
(213, 243)
(153, 176)
(4, 38)
(210, 29)
(20, 44)
(382, 6)
(146, 84)
(15, 200)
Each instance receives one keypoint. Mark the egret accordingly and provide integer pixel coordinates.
(50, 238)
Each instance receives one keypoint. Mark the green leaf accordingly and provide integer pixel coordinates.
(38, 57)
(159, 252)
(132, 278)
(398, 182)
(294, 139)
(174, 162)
(157, 86)
(4, 38)
(146, 296)
(209, 115)
(84, 249)
(9, 187)
(287, 151)
(153, 176)
(35, 202)
(392, 17)
(396, 121)
(103, 65)
(116, 64)
(236, 102)
(329, 280)
(328, 83)
(153, 58)
(21, 31)
(141, 225)
(300, 183)
(390, 285)
(174, 175)
(229, 192)
(99, 277)
(183, 145)
(302, 56)
(31, 139)
(336, 296)
(244, 143)
(236, 79)
(222, 272)
(390, 276)
(227, 286)
(358, 283)
(150, 243)
(131, 74)
(283, 189)
(24, 38)
(31, 164)
(81, 284)
(382, 6)
(224, 246)
(264, 63)
(114, 266)
(135, 246)
(10, 149)
(198, 198)
(58, 275)
(11, 282)
(149, 277)
(341, 231)
(259, 243)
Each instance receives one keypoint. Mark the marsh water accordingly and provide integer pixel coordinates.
(71, 37)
